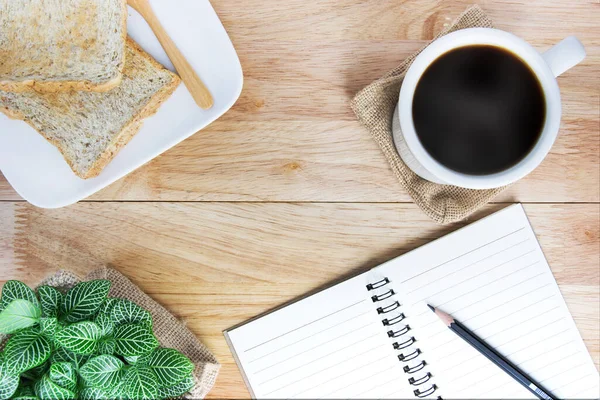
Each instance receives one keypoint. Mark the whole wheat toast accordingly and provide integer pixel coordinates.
(57, 45)
(89, 128)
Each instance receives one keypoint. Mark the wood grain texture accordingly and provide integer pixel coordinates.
(218, 264)
(292, 135)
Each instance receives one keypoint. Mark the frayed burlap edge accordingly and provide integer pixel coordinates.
(169, 331)
(374, 106)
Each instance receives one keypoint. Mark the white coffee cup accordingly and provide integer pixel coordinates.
(546, 66)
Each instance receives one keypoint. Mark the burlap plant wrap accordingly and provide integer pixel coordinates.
(169, 331)
(374, 106)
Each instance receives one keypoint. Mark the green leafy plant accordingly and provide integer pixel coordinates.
(83, 344)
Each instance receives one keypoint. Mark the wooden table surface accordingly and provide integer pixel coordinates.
(287, 192)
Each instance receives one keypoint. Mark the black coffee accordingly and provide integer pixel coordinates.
(478, 109)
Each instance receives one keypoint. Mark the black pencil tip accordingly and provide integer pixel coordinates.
(432, 308)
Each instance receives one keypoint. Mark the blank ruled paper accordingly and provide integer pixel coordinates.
(491, 275)
(329, 345)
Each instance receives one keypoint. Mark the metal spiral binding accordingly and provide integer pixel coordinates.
(409, 353)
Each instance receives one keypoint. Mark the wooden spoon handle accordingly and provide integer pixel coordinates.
(196, 87)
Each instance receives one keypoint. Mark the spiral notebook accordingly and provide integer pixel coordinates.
(373, 336)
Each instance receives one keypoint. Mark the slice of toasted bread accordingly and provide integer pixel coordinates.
(90, 128)
(57, 45)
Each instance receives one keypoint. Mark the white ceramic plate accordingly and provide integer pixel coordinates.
(38, 172)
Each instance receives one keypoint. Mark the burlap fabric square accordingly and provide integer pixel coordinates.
(169, 331)
(374, 106)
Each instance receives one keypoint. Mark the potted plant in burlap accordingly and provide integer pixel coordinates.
(101, 338)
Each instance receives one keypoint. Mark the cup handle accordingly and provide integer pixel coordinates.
(564, 55)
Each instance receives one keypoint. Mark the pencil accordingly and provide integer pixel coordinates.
(492, 355)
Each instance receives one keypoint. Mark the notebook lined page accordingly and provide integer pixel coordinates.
(493, 277)
(329, 345)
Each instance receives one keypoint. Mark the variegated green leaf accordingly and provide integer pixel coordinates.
(80, 338)
(25, 397)
(107, 305)
(141, 383)
(103, 371)
(14, 290)
(25, 350)
(36, 373)
(139, 360)
(9, 382)
(91, 393)
(64, 375)
(17, 315)
(106, 324)
(177, 390)
(127, 312)
(64, 355)
(170, 366)
(107, 346)
(84, 300)
(134, 340)
(131, 359)
(49, 325)
(45, 389)
(50, 299)
(118, 392)
(24, 392)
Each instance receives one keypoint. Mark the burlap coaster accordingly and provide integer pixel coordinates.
(374, 106)
(169, 331)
